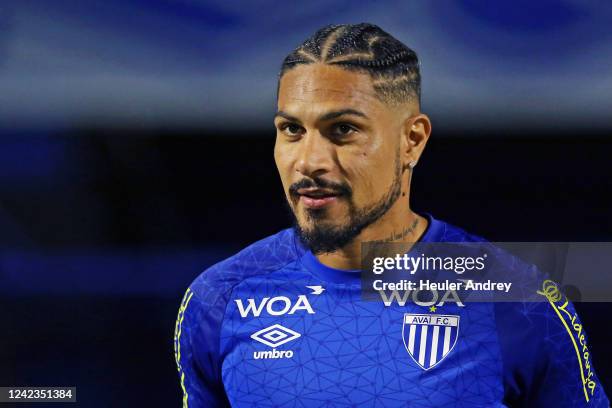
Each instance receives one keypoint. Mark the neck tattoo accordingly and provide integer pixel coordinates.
(398, 236)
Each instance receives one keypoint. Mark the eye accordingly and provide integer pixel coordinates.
(343, 129)
(291, 129)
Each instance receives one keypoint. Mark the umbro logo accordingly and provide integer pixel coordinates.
(274, 336)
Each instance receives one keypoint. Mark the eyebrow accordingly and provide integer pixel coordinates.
(342, 112)
(287, 116)
(326, 116)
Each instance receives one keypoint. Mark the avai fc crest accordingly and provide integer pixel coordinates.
(429, 338)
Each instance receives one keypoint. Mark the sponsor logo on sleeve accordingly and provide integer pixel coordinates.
(560, 304)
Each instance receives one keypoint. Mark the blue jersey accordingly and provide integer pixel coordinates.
(273, 327)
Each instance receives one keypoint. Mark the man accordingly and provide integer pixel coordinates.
(283, 322)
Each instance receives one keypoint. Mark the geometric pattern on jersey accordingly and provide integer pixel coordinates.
(352, 353)
(328, 347)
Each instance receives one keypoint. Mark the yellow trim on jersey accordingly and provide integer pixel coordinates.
(553, 294)
(177, 341)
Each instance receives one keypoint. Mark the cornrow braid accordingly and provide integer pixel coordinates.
(364, 47)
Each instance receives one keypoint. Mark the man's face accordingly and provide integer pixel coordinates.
(337, 151)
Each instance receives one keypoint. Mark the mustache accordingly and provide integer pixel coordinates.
(341, 189)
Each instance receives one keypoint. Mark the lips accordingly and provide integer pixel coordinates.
(316, 192)
(317, 197)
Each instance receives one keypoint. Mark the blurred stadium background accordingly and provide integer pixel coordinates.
(136, 149)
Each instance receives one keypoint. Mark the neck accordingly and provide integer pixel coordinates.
(397, 225)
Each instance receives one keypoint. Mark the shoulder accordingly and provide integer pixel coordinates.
(442, 231)
(503, 256)
(264, 256)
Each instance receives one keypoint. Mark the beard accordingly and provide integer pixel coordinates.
(325, 238)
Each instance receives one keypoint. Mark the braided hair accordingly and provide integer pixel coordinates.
(393, 67)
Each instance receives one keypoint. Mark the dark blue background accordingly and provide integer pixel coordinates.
(136, 149)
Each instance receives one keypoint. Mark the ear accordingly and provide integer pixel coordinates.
(415, 134)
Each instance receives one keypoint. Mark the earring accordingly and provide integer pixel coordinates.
(412, 164)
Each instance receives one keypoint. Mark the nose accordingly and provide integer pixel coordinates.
(315, 155)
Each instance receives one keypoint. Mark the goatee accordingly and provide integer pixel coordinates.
(326, 238)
